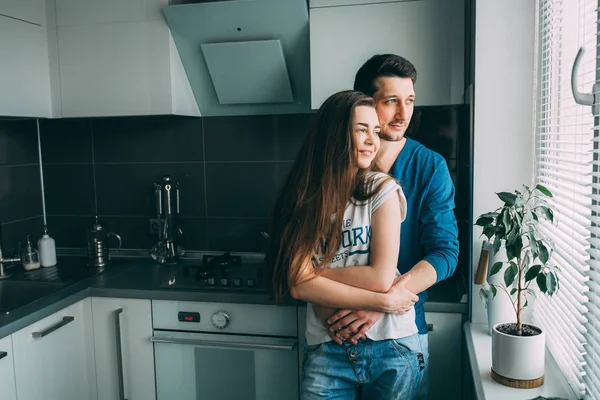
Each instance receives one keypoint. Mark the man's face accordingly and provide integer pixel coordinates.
(395, 101)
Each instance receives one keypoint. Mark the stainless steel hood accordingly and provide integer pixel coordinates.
(244, 57)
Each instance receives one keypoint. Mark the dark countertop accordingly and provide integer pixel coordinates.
(142, 279)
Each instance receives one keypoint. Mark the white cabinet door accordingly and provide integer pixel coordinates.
(429, 33)
(445, 343)
(24, 69)
(115, 69)
(129, 320)
(33, 11)
(7, 371)
(54, 357)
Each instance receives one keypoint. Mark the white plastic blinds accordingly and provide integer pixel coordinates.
(564, 135)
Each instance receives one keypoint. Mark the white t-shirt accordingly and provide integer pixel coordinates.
(354, 250)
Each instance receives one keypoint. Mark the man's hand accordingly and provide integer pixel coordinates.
(352, 325)
(401, 299)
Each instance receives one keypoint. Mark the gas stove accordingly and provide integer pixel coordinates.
(217, 273)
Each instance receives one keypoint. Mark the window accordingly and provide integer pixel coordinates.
(566, 162)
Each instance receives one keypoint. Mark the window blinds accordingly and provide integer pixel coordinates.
(565, 163)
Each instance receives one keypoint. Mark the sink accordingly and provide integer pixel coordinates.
(14, 294)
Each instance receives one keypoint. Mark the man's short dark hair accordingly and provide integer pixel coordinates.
(379, 65)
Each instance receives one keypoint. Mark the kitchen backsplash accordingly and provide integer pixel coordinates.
(229, 170)
(20, 191)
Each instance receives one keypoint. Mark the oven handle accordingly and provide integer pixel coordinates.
(215, 343)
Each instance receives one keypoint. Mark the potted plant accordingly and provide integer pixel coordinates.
(518, 349)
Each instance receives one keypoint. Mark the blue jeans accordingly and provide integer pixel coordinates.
(423, 390)
(384, 369)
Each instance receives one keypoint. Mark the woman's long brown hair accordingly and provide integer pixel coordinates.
(310, 207)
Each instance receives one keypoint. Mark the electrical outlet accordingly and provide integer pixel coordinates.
(155, 225)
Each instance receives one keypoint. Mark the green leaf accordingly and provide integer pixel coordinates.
(507, 198)
(506, 220)
(488, 231)
(513, 291)
(533, 244)
(535, 217)
(519, 202)
(510, 274)
(532, 273)
(483, 294)
(483, 221)
(496, 268)
(489, 215)
(551, 283)
(543, 190)
(494, 290)
(548, 213)
(541, 282)
(544, 255)
(513, 250)
(497, 244)
(526, 302)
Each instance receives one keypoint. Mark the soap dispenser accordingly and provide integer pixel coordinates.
(47, 249)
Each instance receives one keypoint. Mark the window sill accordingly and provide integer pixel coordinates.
(479, 348)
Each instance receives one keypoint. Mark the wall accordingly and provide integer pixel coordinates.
(503, 131)
(20, 191)
(229, 169)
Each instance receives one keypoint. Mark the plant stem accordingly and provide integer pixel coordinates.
(519, 290)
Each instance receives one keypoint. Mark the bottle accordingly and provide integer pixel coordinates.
(29, 256)
(47, 249)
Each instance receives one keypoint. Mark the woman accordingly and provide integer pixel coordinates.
(334, 212)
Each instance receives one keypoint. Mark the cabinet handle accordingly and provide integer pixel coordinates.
(65, 321)
(117, 314)
(3, 354)
(429, 327)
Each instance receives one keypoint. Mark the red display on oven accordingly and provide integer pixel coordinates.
(184, 316)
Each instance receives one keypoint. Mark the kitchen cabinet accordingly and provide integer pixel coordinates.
(7, 371)
(32, 11)
(24, 69)
(122, 331)
(54, 357)
(118, 58)
(429, 33)
(445, 365)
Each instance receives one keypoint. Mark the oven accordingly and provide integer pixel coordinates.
(225, 351)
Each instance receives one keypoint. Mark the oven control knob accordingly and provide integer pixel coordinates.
(220, 319)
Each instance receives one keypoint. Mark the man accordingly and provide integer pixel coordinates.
(428, 242)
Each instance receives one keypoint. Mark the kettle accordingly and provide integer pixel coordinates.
(97, 241)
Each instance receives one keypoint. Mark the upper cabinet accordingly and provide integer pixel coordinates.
(429, 33)
(118, 58)
(32, 11)
(24, 67)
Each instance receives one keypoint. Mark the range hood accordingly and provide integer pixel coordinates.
(244, 57)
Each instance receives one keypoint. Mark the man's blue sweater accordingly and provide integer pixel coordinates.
(429, 231)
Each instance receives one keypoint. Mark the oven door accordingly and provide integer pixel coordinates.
(199, 366)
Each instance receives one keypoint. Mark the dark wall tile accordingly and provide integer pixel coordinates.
(69, 189)
(241, 189)
(134, 231)
(236, 234)
(291, 129)
(248, 138)
(66, 140)
(127, 189)
(15, 232)
(69, 231)
(194, 233)
(18, 142)
(20, 192)
(148, 139)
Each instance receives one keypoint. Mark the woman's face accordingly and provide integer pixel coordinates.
(365, 129)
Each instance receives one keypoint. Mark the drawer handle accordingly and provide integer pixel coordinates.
(429, 327)
(117, 314)
(65, 321)
(3, 354)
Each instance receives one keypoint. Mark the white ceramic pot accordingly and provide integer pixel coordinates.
(518, 357)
